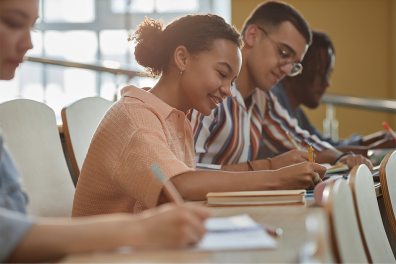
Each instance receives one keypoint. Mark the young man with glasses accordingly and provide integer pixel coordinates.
(307, 89)
(276, 40)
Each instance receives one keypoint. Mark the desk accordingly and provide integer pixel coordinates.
(290, 218)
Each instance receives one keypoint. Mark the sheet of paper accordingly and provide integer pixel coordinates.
(231, 223)
(237, 232)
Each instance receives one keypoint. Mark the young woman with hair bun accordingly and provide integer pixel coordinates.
(197, 58)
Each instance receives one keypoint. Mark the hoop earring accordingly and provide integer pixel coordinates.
(181, 71)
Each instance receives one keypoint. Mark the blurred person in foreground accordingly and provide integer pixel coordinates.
(307, 89)
(25, 239)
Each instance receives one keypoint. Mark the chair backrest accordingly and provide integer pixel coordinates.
(318, 249)
(345, 235)
(31, 134)
(387, 175)
(372, 230)
(80, 120)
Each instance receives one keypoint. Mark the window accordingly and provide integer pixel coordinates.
(154, 6)
(91, 32)
(70, 11)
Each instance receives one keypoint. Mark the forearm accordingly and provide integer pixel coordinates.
(362, 150)
(327, 156)
(256, 164)
(55, 238)
(195, 185)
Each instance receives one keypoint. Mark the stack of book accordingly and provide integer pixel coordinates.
(284, 197)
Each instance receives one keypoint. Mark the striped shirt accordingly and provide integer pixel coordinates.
(232, 133)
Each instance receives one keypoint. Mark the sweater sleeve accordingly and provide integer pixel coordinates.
(13, 228)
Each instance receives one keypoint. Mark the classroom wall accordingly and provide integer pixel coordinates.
(364, 36)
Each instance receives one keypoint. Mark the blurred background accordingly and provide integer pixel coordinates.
(364, 36)
(92, 32)
(95, 32)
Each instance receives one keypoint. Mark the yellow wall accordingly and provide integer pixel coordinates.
(363, 33)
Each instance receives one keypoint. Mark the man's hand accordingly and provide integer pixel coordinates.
(353, 160)
(299, 176)
(172, 226)
(289, 158)
(375, 137)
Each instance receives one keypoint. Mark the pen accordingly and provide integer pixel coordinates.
(293, 140)
(390, 131)
(273, 231)
(168, 185)
(310, 153)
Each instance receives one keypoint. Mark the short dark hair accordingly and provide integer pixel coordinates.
(155, 44)
(273, 14)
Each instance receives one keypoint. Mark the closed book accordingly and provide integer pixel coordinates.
(335, 168)
(284, 197)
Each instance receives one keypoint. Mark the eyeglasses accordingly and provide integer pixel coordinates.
(285, 56)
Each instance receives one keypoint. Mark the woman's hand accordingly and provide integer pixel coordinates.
(170, 225)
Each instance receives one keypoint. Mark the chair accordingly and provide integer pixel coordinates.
(80, 120)
(318, 249)
(344, 231)
(387, 175)
(375, 240)
(29, 130)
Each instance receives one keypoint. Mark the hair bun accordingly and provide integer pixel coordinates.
(156, 44)
(149, 45)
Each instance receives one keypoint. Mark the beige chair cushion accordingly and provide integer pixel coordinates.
(346, 238)
(80, 120)
(387, 175)
(368, 214)
(31, 134)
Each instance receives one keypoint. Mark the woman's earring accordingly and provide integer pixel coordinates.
(181, 71)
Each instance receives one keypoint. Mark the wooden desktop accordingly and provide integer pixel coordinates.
(292, 220)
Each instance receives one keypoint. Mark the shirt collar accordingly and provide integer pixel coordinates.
(238, 96)
(145, 96)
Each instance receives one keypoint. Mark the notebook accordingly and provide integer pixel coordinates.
(284, 197)
(232, 233)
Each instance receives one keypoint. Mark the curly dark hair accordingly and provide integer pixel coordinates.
(314, 62)
(155, 44)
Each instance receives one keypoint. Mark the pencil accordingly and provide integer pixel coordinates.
(310, 153)
(168, 185)
(293, 140)
(390, 131)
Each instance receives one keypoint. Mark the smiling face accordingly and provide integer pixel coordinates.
(208, 76)
(17, 17)
(263, 58)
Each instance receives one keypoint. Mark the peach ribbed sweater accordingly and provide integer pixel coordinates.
(137, 131)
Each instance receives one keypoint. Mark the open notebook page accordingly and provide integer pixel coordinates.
(236, 232)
